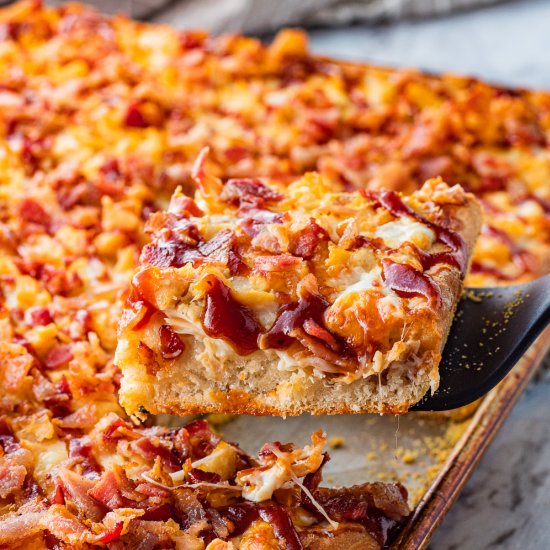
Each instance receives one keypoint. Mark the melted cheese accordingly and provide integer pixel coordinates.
(395, 233)
(262, 483)
(366, 282)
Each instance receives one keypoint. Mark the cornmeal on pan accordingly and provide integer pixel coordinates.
(259, 298)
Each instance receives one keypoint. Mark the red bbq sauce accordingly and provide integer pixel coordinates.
(292, 316)
(226, 318)
(243, 515)
(458, 253)
(170, 343)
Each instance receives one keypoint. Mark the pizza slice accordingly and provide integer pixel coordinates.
(128, 487)
(259, 298)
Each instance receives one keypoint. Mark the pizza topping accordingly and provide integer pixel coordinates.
(226, 318)
(304, 243)
(58, 356)
(38, 316)
(375, 510)
(139, 311)
(32, 212)
(253, 219)
(291, 317)
(453, 240)
(280, 465)
(170, 343)
(407, 281)
(249, 192)
(75, 489)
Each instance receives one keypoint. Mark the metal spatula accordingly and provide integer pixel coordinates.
(493, 328)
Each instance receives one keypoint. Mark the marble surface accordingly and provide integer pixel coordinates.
(506, 503)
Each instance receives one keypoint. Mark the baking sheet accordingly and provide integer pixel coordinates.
(432, 457)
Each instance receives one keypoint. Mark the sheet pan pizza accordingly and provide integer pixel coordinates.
(101, 120)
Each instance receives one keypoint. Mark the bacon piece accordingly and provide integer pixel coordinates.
(489, 270)
(190, 512)
(154, 491)
(59, 496)
(76, 489)
(235, 263)
(84, 417)
(317, 331)
(202, 439)
(81, 448)
(253, 220)
(251, 191)
(282, 525)
(272, 449)
(291, 317)
(421, 139)
(12, 476)
(134, 117)
(111, 433)
(59, 402)
(235, 154)
(149, 449)
(181, 205)
(218, 247)
(218, 524)
(14, 528)
(32, 151)
(170, 343)
(156, 513)
(191, 39)
(139, 311)
(519, 255)
(78, 193)
(320, 349)
(312, 480)
(38, 316)
(200, 476)
(114, 490)
(10, 30)
(524, 133)
(243, 515)
(407, 281)
(435, 166)
(176, 253)
(32, 212)
(84, 319)
(379, 507)
(278, 263)
(172, 253)
(59, 355)
(392, 202)
(305, 242)
(148, 357)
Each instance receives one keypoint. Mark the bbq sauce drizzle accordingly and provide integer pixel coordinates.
(458, 254)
